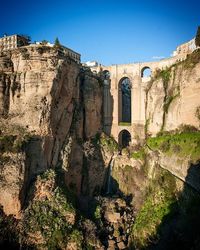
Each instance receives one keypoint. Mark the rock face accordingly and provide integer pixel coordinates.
(173, 97)
(51, 119)
(117, 216)
(57, 104)
(12, 179)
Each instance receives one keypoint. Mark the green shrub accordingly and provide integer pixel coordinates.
(168, 101)
(140, 154)
(165, 75)
(108, 143)
(97, 213)
(76, 236)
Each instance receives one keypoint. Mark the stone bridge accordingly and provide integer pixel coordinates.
(125, 119)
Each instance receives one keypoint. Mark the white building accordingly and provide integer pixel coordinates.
(185, 48)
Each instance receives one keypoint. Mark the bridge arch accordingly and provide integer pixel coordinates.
(146, 72)
(124, 138)
(124, 100)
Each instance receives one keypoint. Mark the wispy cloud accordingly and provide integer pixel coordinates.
(158, 57)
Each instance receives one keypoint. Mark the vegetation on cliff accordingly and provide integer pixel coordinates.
(159, 199)
(49, 220)
(169, 216)
(108, 143)
(172, 91)
(184, 144)
(13, 138)
(170, 207)
(139, 154)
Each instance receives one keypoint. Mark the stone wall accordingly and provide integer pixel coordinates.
(138, 95)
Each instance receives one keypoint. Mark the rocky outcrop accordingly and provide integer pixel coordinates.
(173, 96)
(117, 217)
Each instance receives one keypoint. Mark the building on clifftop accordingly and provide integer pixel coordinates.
(13, 42)
(185, 48)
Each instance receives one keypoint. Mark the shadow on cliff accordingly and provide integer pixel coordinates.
(180, 228)
(34, 165)
(8, 233)
(94, 207)
(87, 170)
(108, 102)
(97, 180)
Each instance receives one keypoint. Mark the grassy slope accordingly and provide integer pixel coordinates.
(185, 144)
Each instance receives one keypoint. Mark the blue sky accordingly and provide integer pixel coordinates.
(110, 32)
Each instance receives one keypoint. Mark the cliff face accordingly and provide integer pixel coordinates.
(173, 105)
(45, 99)
(51, 136)
(173, 96)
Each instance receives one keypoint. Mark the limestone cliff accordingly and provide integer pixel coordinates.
(173, 96)
(46, 98)
(56, 165)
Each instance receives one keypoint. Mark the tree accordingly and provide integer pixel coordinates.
(44, 42)
(197, 38)
(57, 43)
(27, 37)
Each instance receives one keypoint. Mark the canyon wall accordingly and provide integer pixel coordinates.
(173, 96)
(49, 106)
(51, 117)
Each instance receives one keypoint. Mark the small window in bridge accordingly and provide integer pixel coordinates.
(146, 72)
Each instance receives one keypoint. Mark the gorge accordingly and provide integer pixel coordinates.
(66, 179)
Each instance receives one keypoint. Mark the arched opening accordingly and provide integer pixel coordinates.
(124, 100)
(124, 138)
(106, 75)
(146, 72)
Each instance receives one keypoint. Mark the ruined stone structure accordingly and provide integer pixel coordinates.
(114, 124)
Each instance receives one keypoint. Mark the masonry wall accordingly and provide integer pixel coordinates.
(138, 95)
